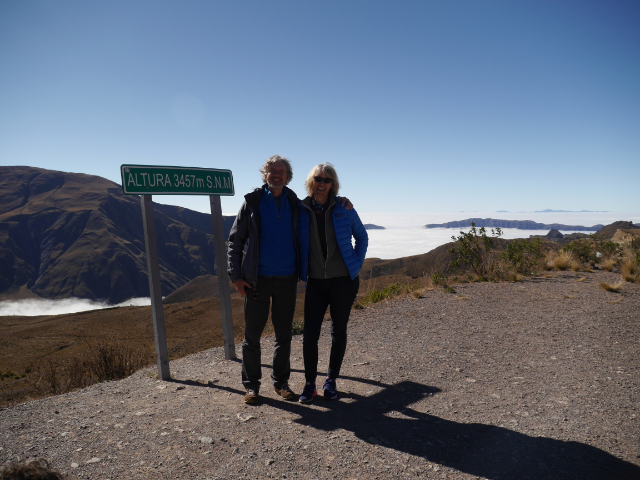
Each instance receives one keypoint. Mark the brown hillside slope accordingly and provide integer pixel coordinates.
(610, 230)
(73, 235)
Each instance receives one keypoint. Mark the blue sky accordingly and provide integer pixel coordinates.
(423, 106)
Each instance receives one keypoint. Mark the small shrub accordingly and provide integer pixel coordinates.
(473, 249)
(582, 251)
(107, 360)
(393, 290)
(523, 256)
(438, 279)
(113, 360)
(609, 263)
(604, 246)
(298, 327)
(449, 289)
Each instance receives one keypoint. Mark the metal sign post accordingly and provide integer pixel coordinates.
(148, 180)
(223, 278)
(155, 287)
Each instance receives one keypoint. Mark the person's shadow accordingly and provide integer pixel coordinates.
(487, 451)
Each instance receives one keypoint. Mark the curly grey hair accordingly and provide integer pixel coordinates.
(327, 169)
(274, 159)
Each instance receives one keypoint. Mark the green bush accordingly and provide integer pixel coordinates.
(297, 328)
(582, 250)
(438, 279)
(523, 256)
(474, 250)
(604, 246)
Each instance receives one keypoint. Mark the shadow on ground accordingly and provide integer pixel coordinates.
(385, 418)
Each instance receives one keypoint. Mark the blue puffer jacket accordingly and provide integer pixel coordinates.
(346, 224)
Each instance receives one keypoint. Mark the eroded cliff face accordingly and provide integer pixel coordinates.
(74, 235)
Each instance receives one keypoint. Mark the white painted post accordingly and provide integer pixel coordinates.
(223, 278)
(155, 289)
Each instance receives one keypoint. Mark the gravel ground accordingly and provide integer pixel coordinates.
(530, 380)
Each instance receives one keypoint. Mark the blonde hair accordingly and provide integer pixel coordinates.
(275, 159)
(327, 169)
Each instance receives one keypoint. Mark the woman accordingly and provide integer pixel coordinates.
(330, 265)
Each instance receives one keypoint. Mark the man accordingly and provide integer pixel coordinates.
(268, 273)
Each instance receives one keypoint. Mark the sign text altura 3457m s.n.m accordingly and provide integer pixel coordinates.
(153, 179)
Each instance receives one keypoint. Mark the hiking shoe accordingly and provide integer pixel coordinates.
(251, 397)
(308, 393)
(285, 392)
(330, 389)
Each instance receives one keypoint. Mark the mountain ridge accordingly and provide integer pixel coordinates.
(68, 234)
(519, 224)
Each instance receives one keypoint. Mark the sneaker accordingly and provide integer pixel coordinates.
(308, 393)
(285, 392)
(330, 389)
(251, 397)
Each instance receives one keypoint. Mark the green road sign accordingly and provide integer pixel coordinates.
(161, 180)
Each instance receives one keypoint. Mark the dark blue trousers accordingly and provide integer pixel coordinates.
(338, 294)
(280, 294)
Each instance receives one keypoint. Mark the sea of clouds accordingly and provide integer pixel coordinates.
(34, 307)
(404, 235)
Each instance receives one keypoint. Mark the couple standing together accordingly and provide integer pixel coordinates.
(288, 240)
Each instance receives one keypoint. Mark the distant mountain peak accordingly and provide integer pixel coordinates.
(519, 224)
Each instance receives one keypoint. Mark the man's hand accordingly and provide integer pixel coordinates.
(240, 287)
(345, 201)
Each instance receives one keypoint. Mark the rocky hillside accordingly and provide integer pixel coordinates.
(74, 235)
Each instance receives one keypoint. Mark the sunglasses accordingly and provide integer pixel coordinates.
(322, 179)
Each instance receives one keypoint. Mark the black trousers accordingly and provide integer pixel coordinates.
(338, 294)
(280, 294)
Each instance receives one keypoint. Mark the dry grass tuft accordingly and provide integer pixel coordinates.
(576, 266)
(630, 271)
(106, 360)
(421, 292)
(563, 260)
(511, 276)
(609, 263)
(581, 279)
(612, 287)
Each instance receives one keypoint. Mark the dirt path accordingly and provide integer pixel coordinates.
(529, 380)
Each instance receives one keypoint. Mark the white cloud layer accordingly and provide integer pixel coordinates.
(404, 242)
(35, 307)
